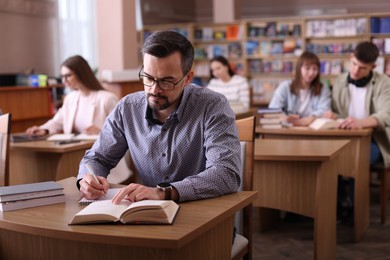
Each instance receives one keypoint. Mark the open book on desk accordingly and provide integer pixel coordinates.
(71, 137)
(140, 212)
(325, 123)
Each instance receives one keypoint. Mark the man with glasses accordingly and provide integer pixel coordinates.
(182, 138)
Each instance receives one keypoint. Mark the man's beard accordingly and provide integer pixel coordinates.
(154, 106)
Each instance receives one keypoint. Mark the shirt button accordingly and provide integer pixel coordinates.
(166, 177)
(163, 155)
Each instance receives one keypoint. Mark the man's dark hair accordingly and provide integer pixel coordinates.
(164, 43)
(366, 52)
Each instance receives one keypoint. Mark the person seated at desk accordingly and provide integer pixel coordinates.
(182, 138)
(304, 98)
(362, 97)
(235, 87)
(85, 108)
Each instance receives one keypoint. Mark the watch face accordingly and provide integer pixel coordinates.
(164, 185)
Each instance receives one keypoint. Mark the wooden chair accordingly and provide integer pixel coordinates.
(5, 132)
(242, 246)
(384, 189)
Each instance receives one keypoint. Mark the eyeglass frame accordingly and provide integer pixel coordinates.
(158, 80)
(66, 76)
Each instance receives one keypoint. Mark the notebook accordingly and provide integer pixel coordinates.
(109, 195)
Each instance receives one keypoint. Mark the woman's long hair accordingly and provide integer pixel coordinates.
(79, 66)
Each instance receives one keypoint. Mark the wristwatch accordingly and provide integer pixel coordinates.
(167, 188)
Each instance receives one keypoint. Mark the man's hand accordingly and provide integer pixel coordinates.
(136, 192)
(92, 190)
(354, 123)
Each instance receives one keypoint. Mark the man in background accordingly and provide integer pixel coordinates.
(362, 97)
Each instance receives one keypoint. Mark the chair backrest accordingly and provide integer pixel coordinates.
(5, 132)
(242, 246)
(246, 132)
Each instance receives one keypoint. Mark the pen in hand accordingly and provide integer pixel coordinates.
(94, 176)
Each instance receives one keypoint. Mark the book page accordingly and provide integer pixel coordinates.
(151, 211)
(101, 211)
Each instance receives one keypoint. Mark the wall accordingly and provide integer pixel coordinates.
(167, 11)
(28, 36)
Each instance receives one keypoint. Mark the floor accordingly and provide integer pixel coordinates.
(293, 239)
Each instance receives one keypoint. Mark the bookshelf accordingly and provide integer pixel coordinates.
(380, 36)
(265, 50)
(271, 50)
(333, 38)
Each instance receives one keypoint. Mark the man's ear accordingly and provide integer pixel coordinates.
(189, 77)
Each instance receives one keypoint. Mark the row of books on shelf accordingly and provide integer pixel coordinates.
(182, 31)
(380, 24)
(337, 27)
(331, 48)
(266, 48)
(383, 44)
(231, 50)
(274, 66)
(273, 29)
(229, 32)
(30, 195)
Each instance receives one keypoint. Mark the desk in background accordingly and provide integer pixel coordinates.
(202, 230)
(358, 156)
(301, 176)
(38, 161)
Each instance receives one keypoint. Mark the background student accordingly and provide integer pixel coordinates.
(182, 138)
(85, 108)
(362, 96)
(235, 87)
(304, 98)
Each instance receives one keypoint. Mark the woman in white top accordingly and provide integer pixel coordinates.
(304, 98)
(85, 108)
(225, 81)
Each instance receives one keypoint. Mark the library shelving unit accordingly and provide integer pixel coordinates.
(271, 50)
(333, 38)
(266, 50)
(380, 35)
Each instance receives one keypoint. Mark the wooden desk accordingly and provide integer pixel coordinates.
(202, 230)
(359, 168)
(45, 161)
(301, 176)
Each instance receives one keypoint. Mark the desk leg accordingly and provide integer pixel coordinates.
(307, 188)
(325, 211)
(362, 189)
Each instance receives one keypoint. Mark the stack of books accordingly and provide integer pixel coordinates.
(30, 195)
(271, 118)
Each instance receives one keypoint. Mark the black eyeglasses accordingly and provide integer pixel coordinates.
(66, 76)
(163, 84)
